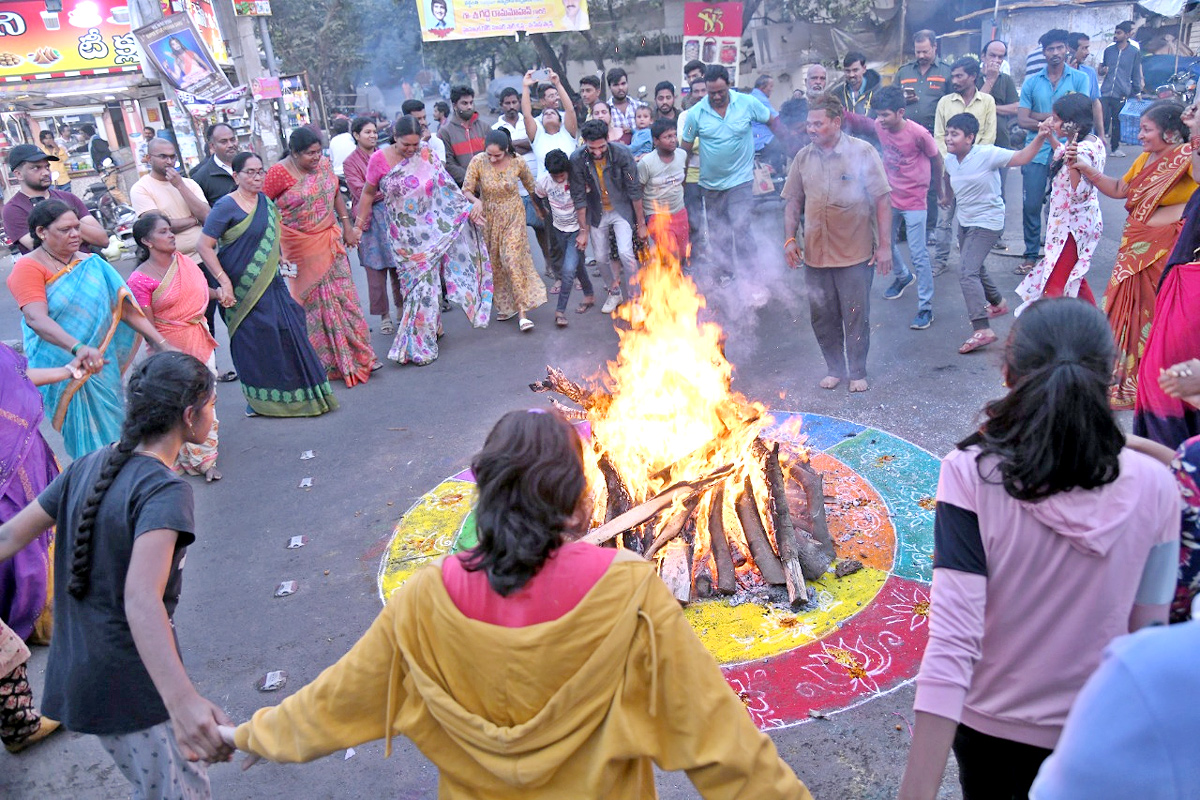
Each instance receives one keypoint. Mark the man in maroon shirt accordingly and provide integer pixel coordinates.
(31, 165)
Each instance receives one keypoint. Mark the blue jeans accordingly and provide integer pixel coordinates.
(1033, 193)
(914, 222)
(571, 267)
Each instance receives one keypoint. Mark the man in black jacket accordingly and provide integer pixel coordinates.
(215, 173)
(608, 196)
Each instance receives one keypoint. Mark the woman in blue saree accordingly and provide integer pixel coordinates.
(280, 372)
(76, 304)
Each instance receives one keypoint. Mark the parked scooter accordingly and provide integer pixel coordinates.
(117, 218)
(1180, 87)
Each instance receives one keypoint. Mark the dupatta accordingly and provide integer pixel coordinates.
(179, 304)
(86, 299)
(309, 233)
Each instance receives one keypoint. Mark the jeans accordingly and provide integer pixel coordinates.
(624, 233)
(693, 201)
(945, 232)
(1033, 194)
(572, 266)
(914, 221)
(1112, 119)
(932, 211)
(729, 220)
(979, 292)
(839, 302)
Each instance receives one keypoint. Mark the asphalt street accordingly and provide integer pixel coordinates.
(409, 427)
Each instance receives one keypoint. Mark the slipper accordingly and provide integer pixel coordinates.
(556, 288)
(377, 365)
(526, 324)
(978, 339)
(997, 311)
(1024, 268)
(387, 327)
(587, 303)
(560, 319)
(227, 377)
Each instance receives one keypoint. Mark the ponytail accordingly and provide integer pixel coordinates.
(159, 391)
(1054, 430)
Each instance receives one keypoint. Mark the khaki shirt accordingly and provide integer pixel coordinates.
(838, 190)
(982, 108)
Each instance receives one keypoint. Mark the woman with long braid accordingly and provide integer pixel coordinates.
(124, 521)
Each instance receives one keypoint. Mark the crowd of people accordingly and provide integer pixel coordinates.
(1055, 533)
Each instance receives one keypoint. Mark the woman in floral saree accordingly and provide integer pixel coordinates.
(174, 295)
(76, 304)
(280, 373)
(305, 189)
(431, 235)
(1156, 189)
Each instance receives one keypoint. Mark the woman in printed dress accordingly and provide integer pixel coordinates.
(1074, 225)
(431, 239)
(491, 186)
(305, 189)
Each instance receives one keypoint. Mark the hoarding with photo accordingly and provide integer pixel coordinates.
(181, 57)
(88, 36)
(445, 20)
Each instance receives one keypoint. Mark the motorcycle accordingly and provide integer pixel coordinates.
(117, 218)
(1180, 87)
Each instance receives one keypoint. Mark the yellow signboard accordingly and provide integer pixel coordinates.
(445, 20)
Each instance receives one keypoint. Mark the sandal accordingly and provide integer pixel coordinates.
(387, 327)
(560, 319)
(997, 311)
(227, 377)
(556, 288)
(587, 303)
(1024, 268)
(376, 365)
(526, 324)
(978, 339)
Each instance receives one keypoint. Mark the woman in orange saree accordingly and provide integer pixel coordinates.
(174, 295)
(305, 190)
(1155, 189)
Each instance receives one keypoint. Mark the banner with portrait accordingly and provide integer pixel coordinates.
(712, 33)
(181, 58)
(446, 20)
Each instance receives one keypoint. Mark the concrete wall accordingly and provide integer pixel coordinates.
(1022, 28)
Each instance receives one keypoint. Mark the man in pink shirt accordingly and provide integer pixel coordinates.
(911, 159)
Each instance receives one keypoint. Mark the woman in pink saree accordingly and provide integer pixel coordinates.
(305, 189)
(173, 295)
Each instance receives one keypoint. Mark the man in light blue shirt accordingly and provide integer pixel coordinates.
(723, 123)
(1038, 94)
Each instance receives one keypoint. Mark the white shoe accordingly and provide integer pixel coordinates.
(1117, 154)
(610, 305)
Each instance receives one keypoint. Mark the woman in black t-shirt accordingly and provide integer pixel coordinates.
(124, 521)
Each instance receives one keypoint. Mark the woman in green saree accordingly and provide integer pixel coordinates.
(268, 341)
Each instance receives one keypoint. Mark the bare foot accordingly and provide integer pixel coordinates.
(212, 475)
(829, 382)
(859, 385)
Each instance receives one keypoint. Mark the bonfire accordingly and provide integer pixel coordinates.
(682, 470)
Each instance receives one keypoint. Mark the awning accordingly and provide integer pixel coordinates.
(93, 90)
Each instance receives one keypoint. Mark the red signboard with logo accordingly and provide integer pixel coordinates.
(87, 37)
(712, 33)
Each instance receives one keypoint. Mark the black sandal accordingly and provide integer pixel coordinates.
(227, 377)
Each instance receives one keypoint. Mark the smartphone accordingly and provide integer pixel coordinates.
(541, 74)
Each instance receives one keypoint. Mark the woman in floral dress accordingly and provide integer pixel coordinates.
(431, 235)
(305, 190)
(491, 186)
(1073, 224)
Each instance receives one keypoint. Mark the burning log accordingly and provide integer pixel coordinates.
(785, 535)
(726, 576)
(676, 569)
(618, 500)
(813, 484)
(649, 509)
(673, 526)
(764, 556)
(574, 414)
(556, 381)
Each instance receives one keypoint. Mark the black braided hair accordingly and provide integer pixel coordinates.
(160, 389)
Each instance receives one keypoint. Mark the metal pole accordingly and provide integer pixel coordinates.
(265, 33)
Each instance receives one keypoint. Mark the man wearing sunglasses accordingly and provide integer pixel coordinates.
(31, 165)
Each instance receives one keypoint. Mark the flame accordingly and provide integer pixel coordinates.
(672, 402)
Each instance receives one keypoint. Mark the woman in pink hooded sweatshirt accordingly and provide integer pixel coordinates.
(1051, 539)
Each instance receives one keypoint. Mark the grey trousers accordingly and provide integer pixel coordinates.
(839, 301)
(151, 761)
(979, 292)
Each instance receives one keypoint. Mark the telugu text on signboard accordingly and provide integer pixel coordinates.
(90, 35)
(444, 20)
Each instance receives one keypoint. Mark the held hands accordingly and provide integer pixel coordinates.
(225, 291)
(195, 722)
(228, 736)
(90, 359)
(1044, 129)
(477, 212)
(351, 236)
(1182, 381)
(793, 254)
(643, 232)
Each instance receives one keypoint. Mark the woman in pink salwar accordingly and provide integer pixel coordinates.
(305, 190)
(1073, 224)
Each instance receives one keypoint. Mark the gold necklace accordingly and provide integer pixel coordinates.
(56, 258)
(154, 455)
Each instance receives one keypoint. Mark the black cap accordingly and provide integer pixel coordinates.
(26, 153)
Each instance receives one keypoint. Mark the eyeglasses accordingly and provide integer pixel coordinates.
(253, 173)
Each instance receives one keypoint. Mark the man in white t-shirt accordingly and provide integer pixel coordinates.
(341, 145)
(554, 185)
(661, 173)
(181, 199)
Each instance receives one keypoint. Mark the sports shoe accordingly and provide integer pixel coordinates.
(896, 290)
(614, 300)
(940, 268)
(1117, 154)
(922, 320)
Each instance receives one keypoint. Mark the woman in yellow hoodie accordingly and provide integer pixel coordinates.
(533, 666)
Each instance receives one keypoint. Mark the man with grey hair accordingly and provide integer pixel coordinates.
(924, 82)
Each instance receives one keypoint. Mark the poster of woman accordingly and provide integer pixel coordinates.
(180, 55)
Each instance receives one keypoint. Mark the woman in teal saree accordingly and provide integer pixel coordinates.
(268, 339)
(76, 304)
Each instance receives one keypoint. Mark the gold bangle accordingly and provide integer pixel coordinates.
(791, 241)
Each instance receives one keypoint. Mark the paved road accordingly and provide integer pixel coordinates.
(410, 427)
